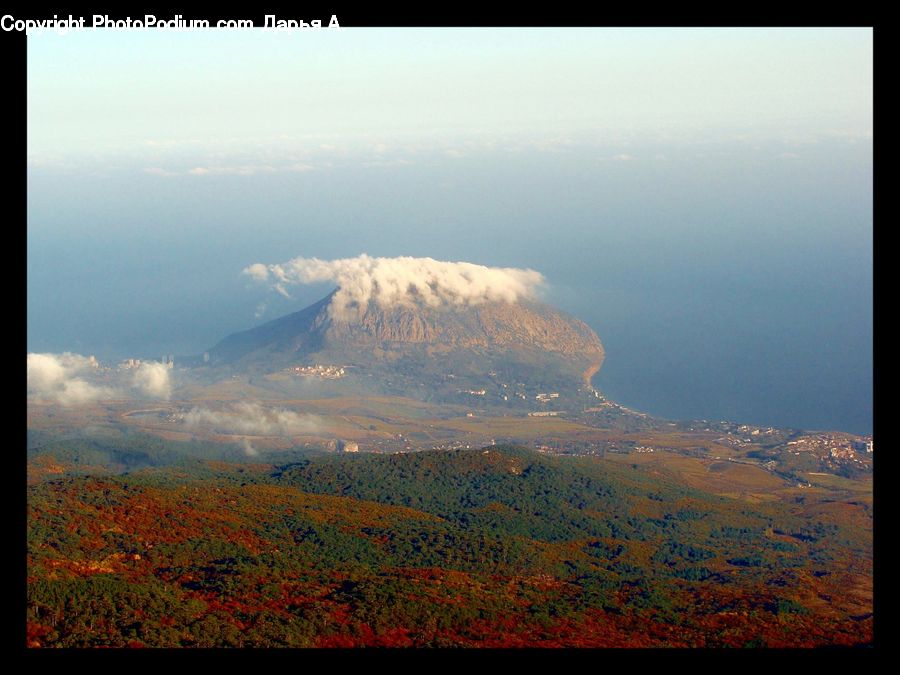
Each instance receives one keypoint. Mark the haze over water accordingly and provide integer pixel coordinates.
(718, 240)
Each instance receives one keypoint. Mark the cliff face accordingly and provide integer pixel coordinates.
(495, 325)
(475, 336)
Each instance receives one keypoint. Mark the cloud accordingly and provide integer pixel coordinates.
(158, 171)
(232, 169)
(61, 378)
(249, 169)
(387, 163)
(249, 450)
(257, 271)
(152, 379)
(252, 419)
(238, 170)
(402, 281)
(73, 379)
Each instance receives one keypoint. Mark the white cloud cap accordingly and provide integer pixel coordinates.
(404, 281)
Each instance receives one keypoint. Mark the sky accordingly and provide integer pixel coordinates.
(93, 93)
(702, 198)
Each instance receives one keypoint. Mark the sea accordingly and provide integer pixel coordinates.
(727, 280)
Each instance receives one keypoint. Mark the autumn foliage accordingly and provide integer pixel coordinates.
(492, 548)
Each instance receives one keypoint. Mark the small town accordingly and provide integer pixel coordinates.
(320, 371)
(836, 445)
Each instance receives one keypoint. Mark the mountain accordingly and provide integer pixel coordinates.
(526, 342)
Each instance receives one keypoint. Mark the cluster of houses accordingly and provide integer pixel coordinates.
(325, 372)
(835, 445)
(133, 364)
